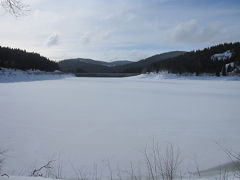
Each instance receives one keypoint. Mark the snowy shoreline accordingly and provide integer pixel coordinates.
(11, 75)
(165, 75)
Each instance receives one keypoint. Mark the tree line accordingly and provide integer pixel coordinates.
(196, 62)
(20, 59)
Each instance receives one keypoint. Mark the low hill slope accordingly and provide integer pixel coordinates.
(137, 67)
(219, 60)
(76, 66)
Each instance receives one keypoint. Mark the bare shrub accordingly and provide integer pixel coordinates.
(43, 170)
(2, 159)
(162, 165)
(223, 175)
(83, 174)
(235, 158)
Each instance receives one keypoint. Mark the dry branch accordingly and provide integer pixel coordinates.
(37, 172)
(15, 7)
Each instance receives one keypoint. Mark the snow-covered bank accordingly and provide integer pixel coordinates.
(165, 75)
(11, 75)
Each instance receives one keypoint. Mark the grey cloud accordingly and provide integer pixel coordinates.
(211, 31)
(52, 40)
(106, 35)
(184, 31)
(192, 32)
(86, 38)
(89, 28)
(97, 36)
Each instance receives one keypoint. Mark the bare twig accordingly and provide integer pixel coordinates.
(5, 175)
(119, 174)
(234, 157)
(197, 168)
(223, 175)
(110, 170)
(2, 158)
(37, 172)
(15, 7)
(162, 165)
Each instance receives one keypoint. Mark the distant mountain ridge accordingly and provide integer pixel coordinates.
(83, 66)
(222, 59)
(103, 63)
(119, 63)
(136, 67)
(80, 65)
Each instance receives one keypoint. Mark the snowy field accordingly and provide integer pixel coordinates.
(87, 121)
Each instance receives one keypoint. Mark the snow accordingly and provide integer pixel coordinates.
(230, 64)
(11, 75)
(23, 178)
(165, 76)
(222, 56)
(87, 121)
(229, 176)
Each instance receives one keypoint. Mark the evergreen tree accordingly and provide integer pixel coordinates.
(20, 59)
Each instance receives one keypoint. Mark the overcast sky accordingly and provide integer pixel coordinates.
(120, 29)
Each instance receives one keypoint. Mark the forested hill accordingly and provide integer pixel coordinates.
(218, 60)
(20, 59)
(142, 65)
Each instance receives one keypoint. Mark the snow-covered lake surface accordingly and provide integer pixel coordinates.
(87, 121)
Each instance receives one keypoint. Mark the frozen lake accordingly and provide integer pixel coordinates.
(91, 120)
